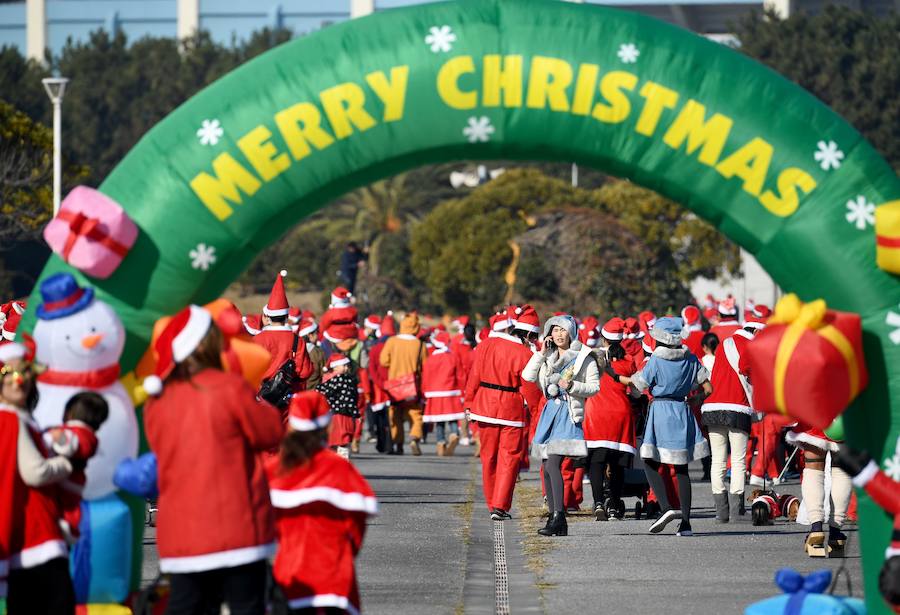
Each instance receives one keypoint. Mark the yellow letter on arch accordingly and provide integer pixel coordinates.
(547, 81)
(343, 104)
(750, 163)
(226, 184)
(448, 83)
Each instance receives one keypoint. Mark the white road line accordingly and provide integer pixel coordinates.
(501, 578)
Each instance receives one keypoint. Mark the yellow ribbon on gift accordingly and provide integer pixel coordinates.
(802, 317)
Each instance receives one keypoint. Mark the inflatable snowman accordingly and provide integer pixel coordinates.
(80, 339)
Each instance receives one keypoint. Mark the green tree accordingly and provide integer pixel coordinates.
(846, 57)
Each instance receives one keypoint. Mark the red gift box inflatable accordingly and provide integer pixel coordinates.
(808, 362)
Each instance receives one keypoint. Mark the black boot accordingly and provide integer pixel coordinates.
(556, 526)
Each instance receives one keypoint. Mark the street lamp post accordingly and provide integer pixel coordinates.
(56, 89)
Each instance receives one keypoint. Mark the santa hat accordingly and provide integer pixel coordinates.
(761, 311)
(525, 318)
(294, 315)
(441, 340)
(710, 313)
(667, 330)
(589, 332)
(336, 360)
(648, 344)
(338, 332)
(460, 322)
(252, 323)
(482, 334)
(15, 352)
(691, 315)
(388, 324)
(307, 326)
(8, 329)
(646, 320)
(373, 321)
(177, 342)
(278, 303)
(633, 329)
(500, 322)
(614, 329)
(755, 322)
(341, 297)
(727, 307)
(308, 411)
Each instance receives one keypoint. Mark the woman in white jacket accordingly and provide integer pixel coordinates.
(567, 374)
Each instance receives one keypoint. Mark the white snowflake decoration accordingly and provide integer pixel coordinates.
(892, 467)
(210, 132)
(860, 212)
(628, 53)
(893, 320)
(203, 256)
(479, 129)
(828, 155)
(440, 39)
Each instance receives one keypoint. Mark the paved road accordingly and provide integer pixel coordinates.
(431, 550)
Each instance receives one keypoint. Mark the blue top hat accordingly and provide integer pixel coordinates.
(63, 297)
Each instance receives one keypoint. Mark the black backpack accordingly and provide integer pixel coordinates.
(277, 390)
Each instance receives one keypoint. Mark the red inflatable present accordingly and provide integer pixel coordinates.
(808, 362)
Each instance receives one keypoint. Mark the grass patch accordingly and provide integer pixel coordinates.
(530, 504)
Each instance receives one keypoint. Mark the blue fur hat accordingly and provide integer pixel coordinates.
(667, 330)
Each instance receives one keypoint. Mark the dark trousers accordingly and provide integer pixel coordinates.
(46, 589)
(381, 431)
(243, 588)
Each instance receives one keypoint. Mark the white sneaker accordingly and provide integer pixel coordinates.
(665, 519)
(343, 451)
(464, 441)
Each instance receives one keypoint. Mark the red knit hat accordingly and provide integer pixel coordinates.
(177, 342)
(500, 322)
(373, 321)
(614, 329)
(307, 326)
(252, 323)
(589, 331)
(294, 315)
(337, 359)
(633, 329)
(278, 303)
(691, 315)
(308, 411)
(646, 320)
(525, 318)
(341, 297)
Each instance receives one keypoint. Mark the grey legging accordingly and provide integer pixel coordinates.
(684, 487)
(553, 482)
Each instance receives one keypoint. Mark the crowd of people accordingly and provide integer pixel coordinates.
(630, 402)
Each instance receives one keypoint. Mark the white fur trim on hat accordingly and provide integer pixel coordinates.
(310, 425)
(153, 385)
(339, 362)
(193, 333)
(521, 326)
(9, 336)
(18, 307)
(310, 329)
(612, 336)
(11, 352)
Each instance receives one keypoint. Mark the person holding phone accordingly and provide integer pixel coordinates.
(567, 373)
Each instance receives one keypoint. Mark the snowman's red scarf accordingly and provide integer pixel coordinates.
(94, 379)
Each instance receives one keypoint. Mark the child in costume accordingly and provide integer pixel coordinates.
(609, 425)
(443, 380)
(321, 505)
(76, 439)
(339, 386)
(672, 434)
(766, 506)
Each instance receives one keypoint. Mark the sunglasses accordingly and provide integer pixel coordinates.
(19, 375)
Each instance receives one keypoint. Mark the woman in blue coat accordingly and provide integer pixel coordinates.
(672, 435)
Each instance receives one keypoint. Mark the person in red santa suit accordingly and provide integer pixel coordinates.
(729, 319)
(10, 322)
(213, 542)
(727, 414)
(693, 326)
(321, 505)
(308, 333)
(33, 555)
(341, 311)
(495, 401)
(443, 381)
(609, 430)
(279, 339)
(885, 492)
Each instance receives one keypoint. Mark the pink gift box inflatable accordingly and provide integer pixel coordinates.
(91, 232)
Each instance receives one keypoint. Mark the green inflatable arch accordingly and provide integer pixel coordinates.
(774, 169)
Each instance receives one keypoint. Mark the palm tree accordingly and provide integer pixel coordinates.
(378, 210)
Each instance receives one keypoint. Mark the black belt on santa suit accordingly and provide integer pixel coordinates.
(681, 399)
(498, 387)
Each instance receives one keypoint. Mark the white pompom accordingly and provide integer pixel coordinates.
(518, 311)
(153, 385)
(283, 273)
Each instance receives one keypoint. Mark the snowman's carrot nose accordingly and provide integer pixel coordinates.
(90, 341)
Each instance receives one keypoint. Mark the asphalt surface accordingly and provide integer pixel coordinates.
(431, 551)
